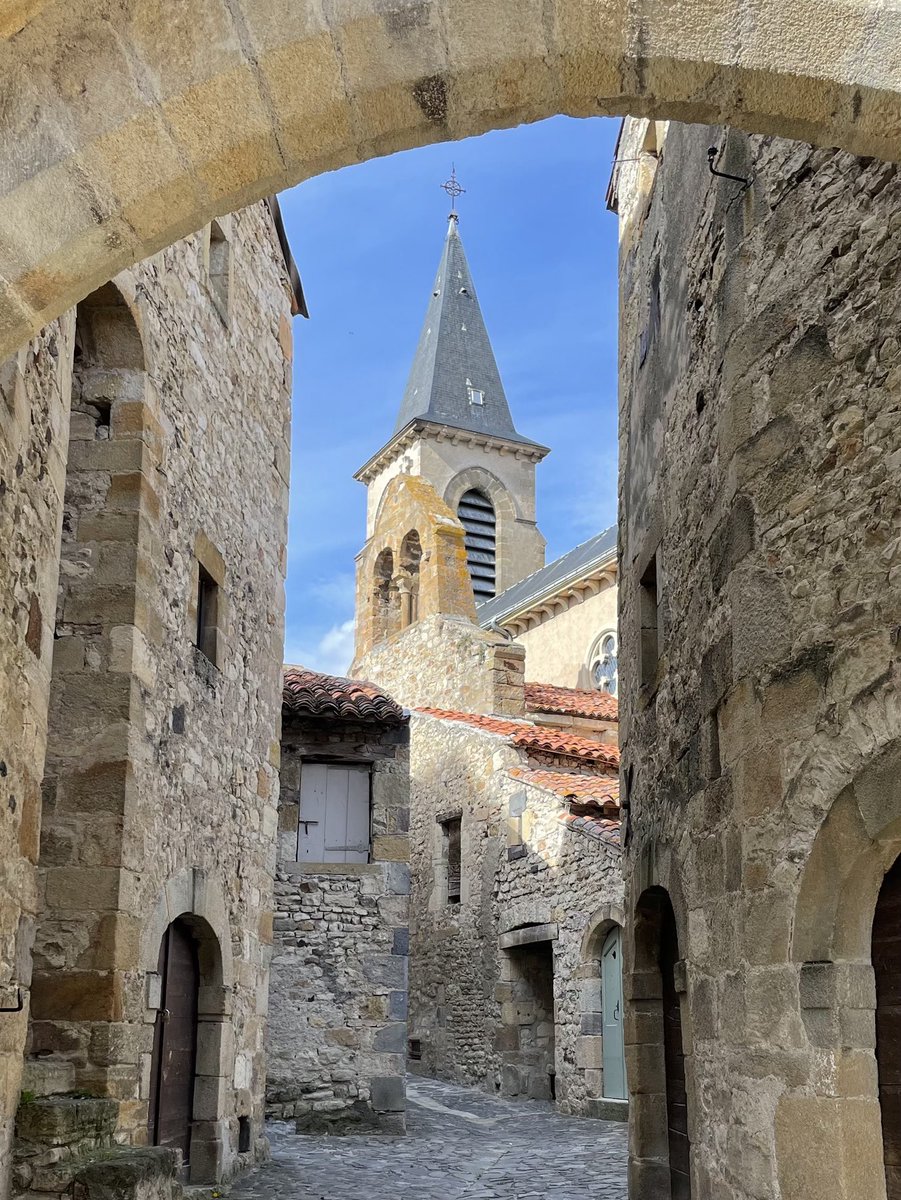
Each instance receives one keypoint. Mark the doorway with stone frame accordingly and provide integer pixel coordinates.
(528, 1021)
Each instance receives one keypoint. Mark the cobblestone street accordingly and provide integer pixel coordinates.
(461, 1145)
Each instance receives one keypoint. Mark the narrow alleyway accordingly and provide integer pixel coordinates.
(461, 1145)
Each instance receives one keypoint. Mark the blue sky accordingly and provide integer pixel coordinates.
(543, 253)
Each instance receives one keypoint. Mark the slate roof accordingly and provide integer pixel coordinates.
(528, 736)
(549, 579)
(571, 702)
(454, 350)
(310, 694)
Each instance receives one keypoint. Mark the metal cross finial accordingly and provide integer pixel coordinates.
(453, 189)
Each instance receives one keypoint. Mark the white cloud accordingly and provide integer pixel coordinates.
(331, 655)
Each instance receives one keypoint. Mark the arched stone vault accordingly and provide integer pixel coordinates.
(130, 123)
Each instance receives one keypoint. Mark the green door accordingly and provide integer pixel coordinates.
(612, 1000)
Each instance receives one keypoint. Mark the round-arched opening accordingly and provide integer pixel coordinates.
(187, 1048)
(384, 596)
(659, 1073)
(477, 516)
(174, 1057)
(365, 80)
(410, 558)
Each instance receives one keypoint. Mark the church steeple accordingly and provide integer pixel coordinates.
(454, 380)
(455, 434)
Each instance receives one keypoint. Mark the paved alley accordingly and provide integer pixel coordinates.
(461, 1145)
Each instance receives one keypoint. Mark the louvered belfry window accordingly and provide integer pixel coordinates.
(476, 513)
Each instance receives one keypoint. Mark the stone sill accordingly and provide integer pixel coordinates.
(310, 868)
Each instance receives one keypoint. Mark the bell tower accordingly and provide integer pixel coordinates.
(455, 431)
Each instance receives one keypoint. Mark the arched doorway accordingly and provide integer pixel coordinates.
(887, 970)
(657, 1076)
(674, 1059)
(174, 1057)
(613, 1050)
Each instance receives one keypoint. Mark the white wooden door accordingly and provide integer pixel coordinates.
(334, 814)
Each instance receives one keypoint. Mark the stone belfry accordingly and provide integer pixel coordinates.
(455, 432)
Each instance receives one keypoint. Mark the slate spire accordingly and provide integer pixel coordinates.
(454, 379)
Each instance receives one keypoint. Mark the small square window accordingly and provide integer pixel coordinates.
(476, 395)
(207, 614)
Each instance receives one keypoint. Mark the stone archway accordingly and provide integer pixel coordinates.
(856, 847)
(129, 125)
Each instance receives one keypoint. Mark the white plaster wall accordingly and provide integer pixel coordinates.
(557, 650)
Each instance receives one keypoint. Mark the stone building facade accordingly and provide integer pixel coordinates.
(337, 1031)
(517, 886)
(153, 677)
(759, 584)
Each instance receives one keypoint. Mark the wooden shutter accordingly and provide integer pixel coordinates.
(334, 814)
(311, 828)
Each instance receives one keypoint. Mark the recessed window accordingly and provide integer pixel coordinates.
(604, 663)
(649, 610)
(451, 831)
(244, 1132)
(476, 395)
(207, 614)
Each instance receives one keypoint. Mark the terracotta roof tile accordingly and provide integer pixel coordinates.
(584, 789)
(310, 694)
(529, 736)
(599, 829)
(571, 702)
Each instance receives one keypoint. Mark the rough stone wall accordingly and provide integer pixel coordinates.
(558, 645)
(34, 420)
(448, 662)
(160, 791)
(336, 1036)
(521, 866)
(760, 443)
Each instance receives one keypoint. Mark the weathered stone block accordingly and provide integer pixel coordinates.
(387, 1093)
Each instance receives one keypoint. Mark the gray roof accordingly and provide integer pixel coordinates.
(544, 582)
(454, 352)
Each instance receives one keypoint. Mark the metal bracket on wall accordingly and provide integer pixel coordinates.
(20, 1003)
(712, 152)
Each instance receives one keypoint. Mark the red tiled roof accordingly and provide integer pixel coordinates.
(600, 829)
(535, 737)
(599, 790)
(309, 694)
(571, 702)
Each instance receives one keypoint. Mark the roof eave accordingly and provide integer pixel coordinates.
(520, 610)
(419, 425)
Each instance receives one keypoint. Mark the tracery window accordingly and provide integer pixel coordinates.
(603, 664)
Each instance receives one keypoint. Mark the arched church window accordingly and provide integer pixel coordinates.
(410, 557)
(603, 664)
(476, 513)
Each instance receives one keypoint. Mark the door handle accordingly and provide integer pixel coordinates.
(165, 1014)
(616, 1012)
